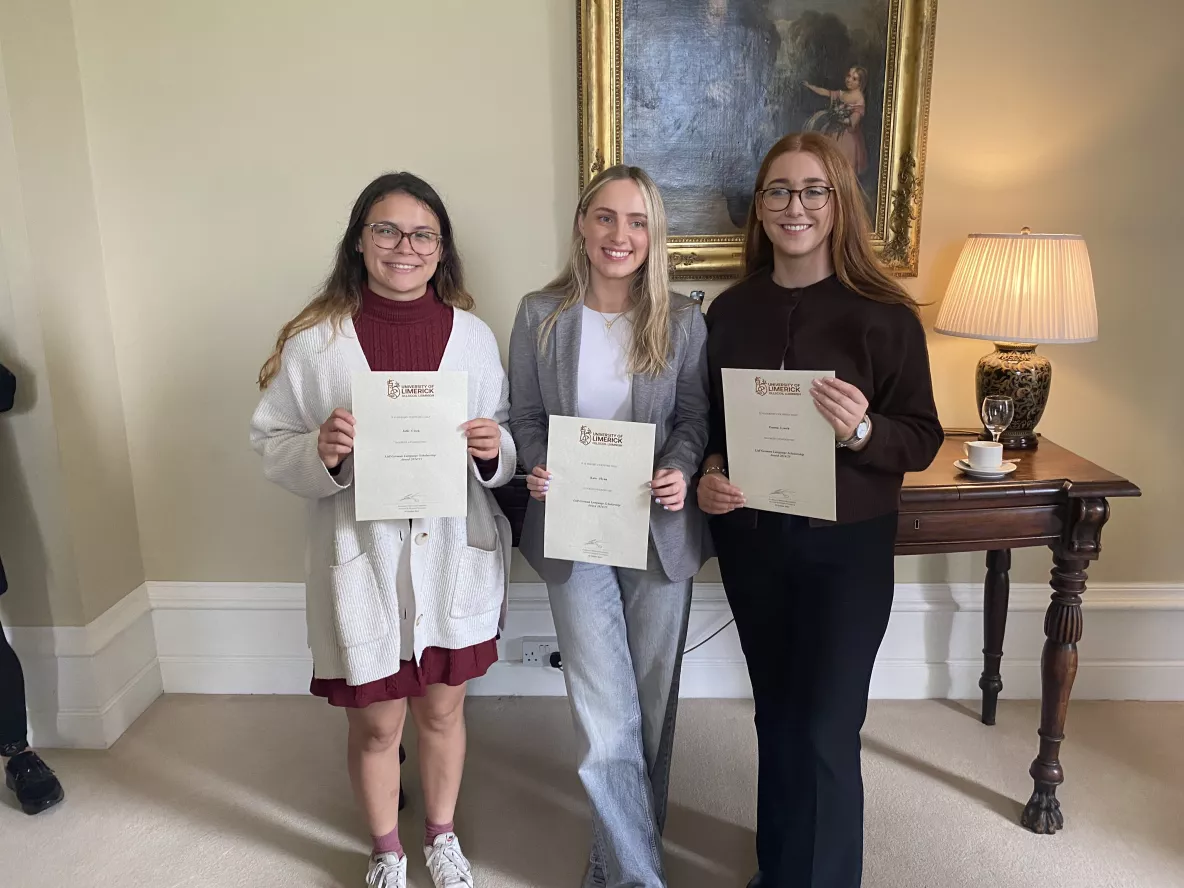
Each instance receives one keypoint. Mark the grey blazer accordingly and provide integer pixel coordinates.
(675, 401)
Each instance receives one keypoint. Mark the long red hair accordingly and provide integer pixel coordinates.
(855, 261)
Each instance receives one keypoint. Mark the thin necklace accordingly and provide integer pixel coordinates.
(608, 325)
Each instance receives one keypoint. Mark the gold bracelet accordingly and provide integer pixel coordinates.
(710, 469)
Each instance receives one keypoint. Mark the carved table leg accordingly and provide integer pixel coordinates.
(1058, 663)
(995, 596)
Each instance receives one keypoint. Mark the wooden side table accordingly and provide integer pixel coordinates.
(1056, 499)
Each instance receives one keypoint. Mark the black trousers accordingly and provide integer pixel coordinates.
(811, 607)
(13, 725)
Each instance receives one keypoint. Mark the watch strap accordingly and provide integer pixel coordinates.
(865, 424)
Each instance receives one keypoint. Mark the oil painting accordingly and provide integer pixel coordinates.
(696, 91)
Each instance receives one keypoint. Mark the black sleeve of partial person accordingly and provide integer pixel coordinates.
(7, 389)
(906, 433)
(717, 436)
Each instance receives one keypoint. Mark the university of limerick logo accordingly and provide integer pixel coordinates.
(392, 388)
(601, 439)
(764, 387)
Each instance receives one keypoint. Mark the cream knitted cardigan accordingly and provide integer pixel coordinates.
(459, 567)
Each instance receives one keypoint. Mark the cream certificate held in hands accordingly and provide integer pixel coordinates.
(781, 449)
(598, 504)
(411, 457)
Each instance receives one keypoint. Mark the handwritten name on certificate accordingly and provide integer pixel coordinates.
(411, 458)
(598, 505)
(781, 450)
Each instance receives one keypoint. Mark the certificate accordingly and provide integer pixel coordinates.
(598, 505)
(411, 458)
(781, 449)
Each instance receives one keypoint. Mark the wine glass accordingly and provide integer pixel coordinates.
(997, 412)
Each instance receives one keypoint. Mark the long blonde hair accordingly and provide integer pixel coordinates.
(649, 295)
(341, 295)
(854, 260)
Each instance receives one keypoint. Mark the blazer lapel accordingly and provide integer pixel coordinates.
(568, 330)
(645, 388)
(642, 395)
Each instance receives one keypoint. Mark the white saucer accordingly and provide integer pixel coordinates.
(1004, 469)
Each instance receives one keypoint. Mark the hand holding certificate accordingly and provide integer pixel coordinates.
(410, 454)
(598, 501)
(781, 449)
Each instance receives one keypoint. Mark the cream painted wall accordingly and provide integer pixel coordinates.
(227, 141)
(33, 533)
(65, 279)
(1040, 118)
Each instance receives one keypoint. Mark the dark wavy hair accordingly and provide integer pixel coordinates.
(341, 295)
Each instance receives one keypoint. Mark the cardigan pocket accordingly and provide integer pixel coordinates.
(478, 574)
(358, 610)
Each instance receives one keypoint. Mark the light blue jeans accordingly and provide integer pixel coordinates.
(621, 634)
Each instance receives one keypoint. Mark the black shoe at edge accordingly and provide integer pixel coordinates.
(36, 786)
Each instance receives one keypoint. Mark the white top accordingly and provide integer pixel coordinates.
(380, 592)
(604, 388)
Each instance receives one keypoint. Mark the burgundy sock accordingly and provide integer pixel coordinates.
(432, 830)
(389, 844)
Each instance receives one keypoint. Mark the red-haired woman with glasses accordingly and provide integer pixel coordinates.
(811, 598)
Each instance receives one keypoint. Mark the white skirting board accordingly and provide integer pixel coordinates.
(249, 638)
(85, 685)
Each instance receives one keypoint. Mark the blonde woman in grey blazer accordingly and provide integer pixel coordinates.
(607, 340)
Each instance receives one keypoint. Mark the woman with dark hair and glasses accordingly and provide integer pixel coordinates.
(812, 598)
(400, 613)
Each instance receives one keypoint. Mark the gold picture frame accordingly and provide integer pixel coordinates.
(896, 206)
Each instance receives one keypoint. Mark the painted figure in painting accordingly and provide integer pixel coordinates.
(841, 121)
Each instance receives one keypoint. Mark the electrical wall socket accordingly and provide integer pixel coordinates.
(537, 650)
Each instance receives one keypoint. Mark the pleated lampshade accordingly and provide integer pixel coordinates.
(1025, 288)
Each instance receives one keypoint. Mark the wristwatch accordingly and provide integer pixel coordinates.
(861, 431)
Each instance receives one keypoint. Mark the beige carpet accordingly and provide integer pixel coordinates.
(252, 791)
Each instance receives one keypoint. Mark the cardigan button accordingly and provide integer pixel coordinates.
(421, 538)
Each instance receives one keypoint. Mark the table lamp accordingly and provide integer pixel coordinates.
(1020, 290)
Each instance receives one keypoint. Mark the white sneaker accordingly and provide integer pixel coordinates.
(387, 871)
(447, 863)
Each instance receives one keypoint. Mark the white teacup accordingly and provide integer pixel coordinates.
(983, 454)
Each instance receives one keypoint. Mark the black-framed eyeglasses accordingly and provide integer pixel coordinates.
(778, 198)
(388, 237)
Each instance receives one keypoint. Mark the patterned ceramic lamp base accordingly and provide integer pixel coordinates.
(1019, 373)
